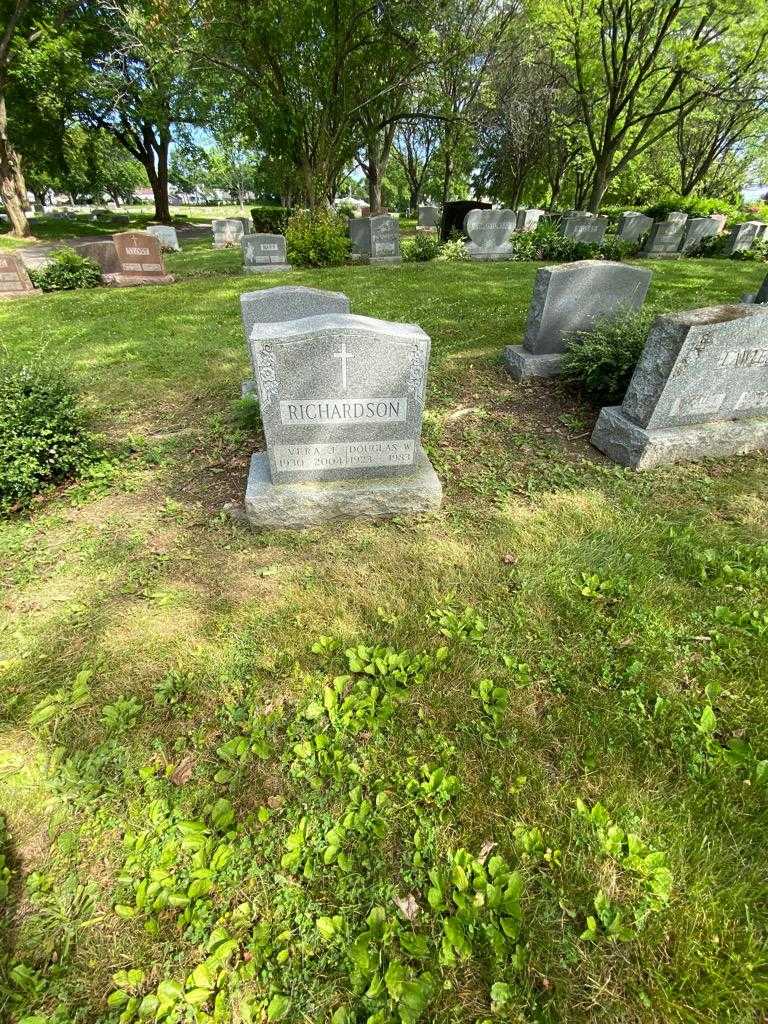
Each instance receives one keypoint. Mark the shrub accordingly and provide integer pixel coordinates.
(757, 252)
(453, 251)
(546, 243)
(420, 248)
(695, 206)
(317, 238)
(67, 270)
(272, 220)
(601, 361)
(43, 433)
(346, 209)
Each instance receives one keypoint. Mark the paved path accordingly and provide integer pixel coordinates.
(36, 256)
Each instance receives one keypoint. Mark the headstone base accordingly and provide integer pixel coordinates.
(131, 280)
(489, 256)
(375, 261)
(659, 255)
(266, 268)
(312, 503)
(631, 445)
(522, 364)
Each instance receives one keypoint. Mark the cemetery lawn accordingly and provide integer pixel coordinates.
(190, 795)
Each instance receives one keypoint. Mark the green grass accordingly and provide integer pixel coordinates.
(158, 668)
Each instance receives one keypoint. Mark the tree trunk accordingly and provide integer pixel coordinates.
(374, 184)
(447, 172)
(12, 191)
(599, 185)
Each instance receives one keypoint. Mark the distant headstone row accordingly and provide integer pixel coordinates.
(341, 399)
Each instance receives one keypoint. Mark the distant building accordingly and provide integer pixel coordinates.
(754, 193)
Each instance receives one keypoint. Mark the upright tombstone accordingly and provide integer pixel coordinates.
(584, 227)
(104, 253)
(664, 240)
(227, 231)
(454, 214)
(700, 389)
(286, 302)
(264, 253)
(429, 217)
(489, 232)
(15, 282)
(633, 225)
(676, 217)
(528, 220)
(570, 297)
(341, 400)
(697, 230)
(166, 236)
(140, 260)
(719, 219)
(762, 292)
(743, 236)
(376, 238)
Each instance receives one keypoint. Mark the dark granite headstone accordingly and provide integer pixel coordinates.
(15, 282)
(454, 214)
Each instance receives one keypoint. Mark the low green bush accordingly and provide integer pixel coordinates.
(44, 436)
(600, 362)
(695, 206)
(420, 248)
(757, 253)
(317, 238)
(66, 271)
(346, 209)
(271, 220)
(453, 251)
(546, 243)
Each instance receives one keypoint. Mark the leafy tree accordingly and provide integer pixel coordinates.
(233, 167)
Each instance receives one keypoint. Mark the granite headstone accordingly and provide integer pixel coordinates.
(286, 302)
(376, 238)
(166, 236)
(567, 298)
(104, 253)
(264, 252)
(227, 232)
(633, 225)
(700, 389)
(584, 227)
(696, 231)
(676, 217)
(743, 236)
(720, 219)
(528, 220)
(140, 260)
(341, 400)
(489, 232)
(15, 282)
(429, 216)
(664, 240)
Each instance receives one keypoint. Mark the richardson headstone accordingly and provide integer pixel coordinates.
(104, 253)
(286, 302)
(568, 298)
(341, 400)
(584, 227)
(676, 217)
(700, 389)
(166, 236)
(695, 231)
(227, 231)
(429, 216)
(528, 220)
(377, 238)
(140, 260)
(489, 232)
(719, 219)
(664, 240)
(633, 225)
(743, 236)
(15, 282)
(264, 252)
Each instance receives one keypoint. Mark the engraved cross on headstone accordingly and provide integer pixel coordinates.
(343, 355)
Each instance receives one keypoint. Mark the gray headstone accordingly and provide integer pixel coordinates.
(489, 232)
(227, 231)
(762, 291)
(567, 298)
(264, 252)
(287, 302)
(341, 400)
(719, 219)
(166, 236)
(664, 239)
(676, 217)
(377, 237)
(700, 389)
(743, 236)
(584, 228)
(632, 226)
(696, 230)
(429, 216)
(528, 220)
(104, 253)
(15, 282)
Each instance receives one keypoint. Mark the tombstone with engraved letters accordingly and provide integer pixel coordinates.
(15, 282)
(341, 400)
(139, 259)
(700, 389)
(264, 253)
